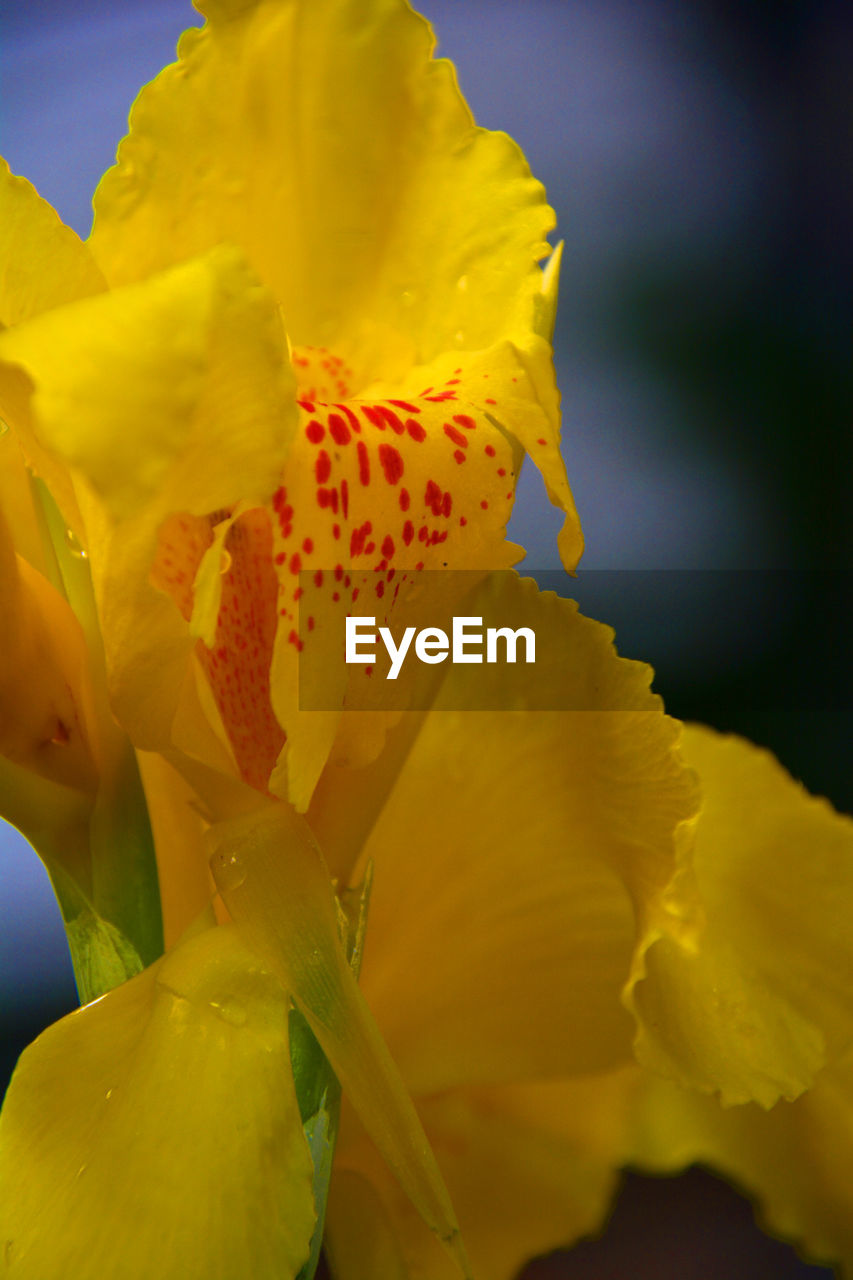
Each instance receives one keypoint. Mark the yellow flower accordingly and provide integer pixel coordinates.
(314, 304)
(310, 336)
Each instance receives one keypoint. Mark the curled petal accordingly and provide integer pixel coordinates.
(756, 1003)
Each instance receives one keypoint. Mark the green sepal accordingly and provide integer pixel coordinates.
(318, 1092)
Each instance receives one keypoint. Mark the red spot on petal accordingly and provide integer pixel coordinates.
(315, 431)
(404, 499)
(415, 430)
(388, 546)
(373, 415)
(295, 562)
(446, 504)
(318, 578)
(392, 462)
(541, 441)
(307, 546)
(490, 450)
(344, 499)
(350, 416)
(404, 404)
(456, 436)
(322, 467)
(380, 589)
(336, 531)
(459, 456)
(338, 429)
(484, 505)
(391, 418)
(408, 532)
(363, 463)
(464, 421)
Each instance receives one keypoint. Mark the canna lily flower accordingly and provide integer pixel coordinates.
(309, 336)
(323, 374)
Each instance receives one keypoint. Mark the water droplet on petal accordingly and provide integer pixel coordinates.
(462, 284)
(229, 1011)
(408, 298)
(225, 562)
(4, 427)
(75, 546)
(229, 871)
(459, 338)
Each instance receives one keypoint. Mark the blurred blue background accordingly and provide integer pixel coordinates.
(698, 157)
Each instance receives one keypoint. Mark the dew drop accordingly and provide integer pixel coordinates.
(109, 1093)
(4, 427)
(229, 1011)
(225, 562)
(408, 298)
(462, 284)
(459, 338)
(81, 1171)
(229, 871)
(75, 546)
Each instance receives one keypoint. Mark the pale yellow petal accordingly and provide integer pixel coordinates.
(156, 1131)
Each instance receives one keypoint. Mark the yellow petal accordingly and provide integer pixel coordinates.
(156, 393)
(530, 1168)
(518, 855)
(156, 1131)
(345, 162)
(794, 1160)
(43, 263)
(762, 1000)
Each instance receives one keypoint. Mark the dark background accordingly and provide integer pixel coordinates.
(699, 158)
